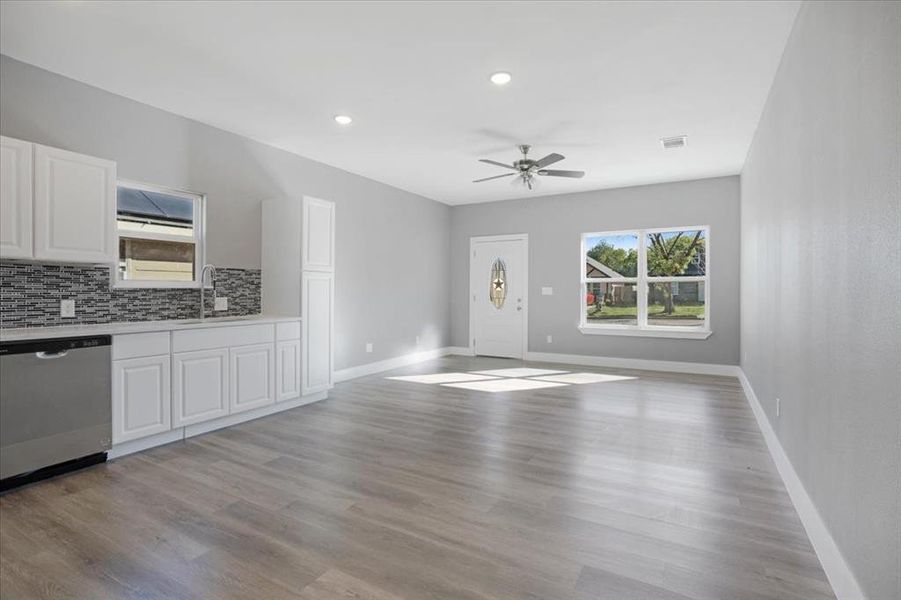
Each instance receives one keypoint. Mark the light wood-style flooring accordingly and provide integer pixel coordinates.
(658, 487)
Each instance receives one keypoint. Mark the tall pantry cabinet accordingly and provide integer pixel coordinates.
(298, 261)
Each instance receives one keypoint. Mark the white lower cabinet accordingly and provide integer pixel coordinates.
(318, 291)
(287, 370)
(199, 386)
(140, 397)
(251, 377)
(163, 381)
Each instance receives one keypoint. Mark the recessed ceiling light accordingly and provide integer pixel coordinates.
(343, 120)
(501, 78)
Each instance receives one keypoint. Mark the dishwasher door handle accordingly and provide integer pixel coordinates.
(51, 355)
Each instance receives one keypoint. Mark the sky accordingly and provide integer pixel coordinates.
(625, 241)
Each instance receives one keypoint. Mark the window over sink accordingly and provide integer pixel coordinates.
(160, 236)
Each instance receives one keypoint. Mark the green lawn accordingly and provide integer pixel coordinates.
(654, 311)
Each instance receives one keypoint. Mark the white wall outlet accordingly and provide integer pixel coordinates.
(417, 340)
(368, 346)
(550, 339)
(221, 303)
(67, 308)
(547, 291)
(778, 407)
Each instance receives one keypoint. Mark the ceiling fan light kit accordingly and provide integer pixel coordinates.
(526, 170)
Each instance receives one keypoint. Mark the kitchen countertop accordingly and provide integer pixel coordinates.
(123, 327)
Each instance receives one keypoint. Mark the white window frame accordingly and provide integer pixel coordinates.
(642, 329)
(199, 239)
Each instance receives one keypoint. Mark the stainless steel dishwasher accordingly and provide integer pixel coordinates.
(55, 407)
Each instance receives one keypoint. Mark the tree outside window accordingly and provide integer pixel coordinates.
(646, 279)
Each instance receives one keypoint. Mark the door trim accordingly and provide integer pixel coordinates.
(524, 238)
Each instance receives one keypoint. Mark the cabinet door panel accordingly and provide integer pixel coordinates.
(199, 386)
(251, 382)
(15, 198)
(287, 370)
(74, 206)
(140, 397)
(318, 295)
(318, 235)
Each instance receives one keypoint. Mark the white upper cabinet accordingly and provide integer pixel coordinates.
(15, 198)
(74, 207)
(318, 235)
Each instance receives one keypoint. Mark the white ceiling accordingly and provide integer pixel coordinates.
(599, 82)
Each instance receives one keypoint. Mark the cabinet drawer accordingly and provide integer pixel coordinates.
(136, 345)
(222, 337)
(287, 331)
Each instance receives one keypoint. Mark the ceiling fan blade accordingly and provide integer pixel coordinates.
(556, 173)
(498, 164)
(550, 159)
(495, 177)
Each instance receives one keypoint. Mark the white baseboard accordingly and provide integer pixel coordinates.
(460, 351)
(182, 433)
(635, 363)
(389, 364)
(844, 584)
(250, 415)
(151, 441)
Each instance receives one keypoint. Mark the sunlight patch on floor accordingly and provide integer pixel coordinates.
(581, 378)
(441, 378)
(510, 380)
(504, 385)
(519, 372)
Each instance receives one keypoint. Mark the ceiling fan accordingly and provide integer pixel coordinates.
(526, 169)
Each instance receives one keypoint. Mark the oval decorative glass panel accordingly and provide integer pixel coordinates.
(498, 290)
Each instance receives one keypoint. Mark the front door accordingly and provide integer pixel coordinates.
(498, 289)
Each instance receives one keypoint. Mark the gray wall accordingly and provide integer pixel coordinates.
(555, 225)
(821, 274)
(379, 297)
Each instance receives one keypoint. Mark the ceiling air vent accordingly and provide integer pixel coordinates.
(673, 142)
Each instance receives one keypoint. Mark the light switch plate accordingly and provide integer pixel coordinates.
(547, 291)
(67, 308)
(221, 303)
(368, 346)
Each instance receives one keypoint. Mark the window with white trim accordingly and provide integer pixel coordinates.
(646, 281)
(160, 235)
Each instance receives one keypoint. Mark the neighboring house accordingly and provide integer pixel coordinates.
(594, 268)
(686, 292)
(614, 293)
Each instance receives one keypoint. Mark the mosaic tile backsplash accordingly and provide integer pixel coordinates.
(30, 295)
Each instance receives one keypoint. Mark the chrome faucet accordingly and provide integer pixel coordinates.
(212, 271)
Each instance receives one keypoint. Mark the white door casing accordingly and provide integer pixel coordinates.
(141, 397)
(16, 198)
(199, 386)
(499, 331)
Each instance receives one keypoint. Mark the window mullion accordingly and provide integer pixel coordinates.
(642, 281)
